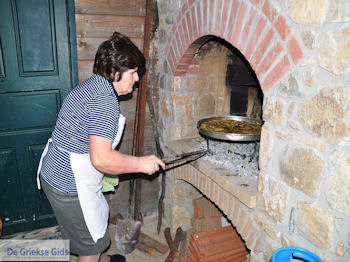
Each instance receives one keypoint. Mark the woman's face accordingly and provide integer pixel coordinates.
(125, 85)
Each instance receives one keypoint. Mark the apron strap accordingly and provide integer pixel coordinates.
(41, 161)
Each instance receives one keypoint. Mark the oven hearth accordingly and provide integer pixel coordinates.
(240, 157)
(218, 166)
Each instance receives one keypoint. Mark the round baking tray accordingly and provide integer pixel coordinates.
(229, 136)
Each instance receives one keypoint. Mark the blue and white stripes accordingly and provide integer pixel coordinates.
(91, 108)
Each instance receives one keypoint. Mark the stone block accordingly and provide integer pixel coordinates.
(302, 169)
(308, 12)
(334, 51)
(338, 193)
(325, 115)
(316, 223)
(275, 196)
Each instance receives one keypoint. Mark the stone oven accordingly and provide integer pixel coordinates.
(298, 54)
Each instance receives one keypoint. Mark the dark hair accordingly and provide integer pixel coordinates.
(118, 54)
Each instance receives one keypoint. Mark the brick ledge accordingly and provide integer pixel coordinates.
(242, 188)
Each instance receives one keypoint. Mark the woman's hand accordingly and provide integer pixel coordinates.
(111, 161)
(150, 164)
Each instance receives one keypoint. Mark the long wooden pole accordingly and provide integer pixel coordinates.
(140, 116)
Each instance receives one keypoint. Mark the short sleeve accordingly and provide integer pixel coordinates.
(103, 116)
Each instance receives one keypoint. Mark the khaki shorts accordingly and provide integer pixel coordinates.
(72, 224)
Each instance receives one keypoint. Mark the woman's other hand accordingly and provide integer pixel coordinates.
(150, 164)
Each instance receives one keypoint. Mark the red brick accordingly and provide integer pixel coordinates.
(277, 72)
(192, 49)
(225, 17)
(194, 23)
(182, 67)
(190, 257)
(179, 73)
(233, 15)
(235, 217)
(235, 254)
(195, 61)
(171, 39)
(241, 221)
(222, 249)
(192, 70)
(196, 179)
(251, 239)
(195, 250)
(178, 47)
(233, 206)
(181, 36)
(178, 19)
(201, 179)
(212, 14)
(282, 27)
(247, 229)
(239, 24)
(270, 58)
(257, 3)
(269, 11)
(173, 51)
(186, 37)
(171, 61)
(205, 238)
(179, 43)
(205, 223)
(199, 18)
(262, 47)
(205, 16)
(222, 244)
(184, 8)
(221, 198)
(294, 50)
(185, 60)
(219, 17)
(258, 244)
(246, 29)
(189, 26)
(190, 2)
(217, 193)
(227, 203)
(255, 37)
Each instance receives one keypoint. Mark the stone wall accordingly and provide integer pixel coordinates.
(299, 50)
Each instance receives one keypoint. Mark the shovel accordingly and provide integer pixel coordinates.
(127, 230)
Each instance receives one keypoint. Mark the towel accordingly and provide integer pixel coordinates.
(109, 182)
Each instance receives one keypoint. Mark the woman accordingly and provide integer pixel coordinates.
(81, 149)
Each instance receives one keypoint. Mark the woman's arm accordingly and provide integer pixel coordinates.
(110, 161)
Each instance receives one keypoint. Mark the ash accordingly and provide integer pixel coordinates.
(242, 157)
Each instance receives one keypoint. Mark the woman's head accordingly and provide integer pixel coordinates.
(117, 55)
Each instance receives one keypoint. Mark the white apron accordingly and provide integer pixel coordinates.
(89, 187)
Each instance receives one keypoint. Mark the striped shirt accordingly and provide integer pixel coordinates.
(91, 108)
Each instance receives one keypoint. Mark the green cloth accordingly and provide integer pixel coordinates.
(109, 182)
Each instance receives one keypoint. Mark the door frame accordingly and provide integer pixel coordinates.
(73, 42)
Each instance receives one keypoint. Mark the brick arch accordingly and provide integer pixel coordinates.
(254, 27)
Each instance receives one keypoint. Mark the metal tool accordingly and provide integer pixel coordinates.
(185, 157)
(190, 156)
(127, 230)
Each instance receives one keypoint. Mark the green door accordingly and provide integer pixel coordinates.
(36, 73)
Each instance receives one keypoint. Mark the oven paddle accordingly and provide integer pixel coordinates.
(186, 157)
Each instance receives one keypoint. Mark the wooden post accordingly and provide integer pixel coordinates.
(138, 139)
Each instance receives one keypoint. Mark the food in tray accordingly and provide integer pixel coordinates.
(231, 126)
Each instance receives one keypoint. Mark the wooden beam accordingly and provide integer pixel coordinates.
(138, 141)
